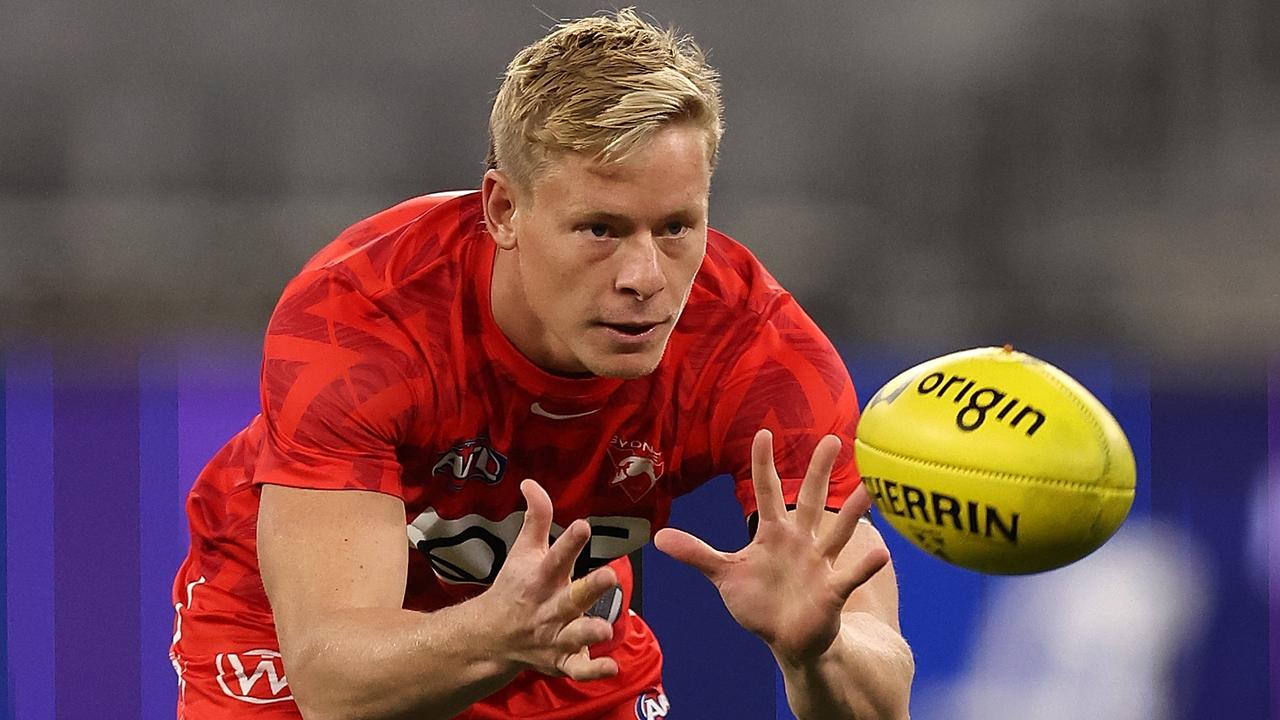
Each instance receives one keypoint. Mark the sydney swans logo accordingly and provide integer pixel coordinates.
(636, 466)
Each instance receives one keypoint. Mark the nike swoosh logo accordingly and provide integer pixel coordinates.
(537, 409)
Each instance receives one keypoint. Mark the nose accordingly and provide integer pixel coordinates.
(640, 272)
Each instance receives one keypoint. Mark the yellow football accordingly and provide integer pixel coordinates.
(995, 461)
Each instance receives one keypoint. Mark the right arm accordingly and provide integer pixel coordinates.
(334, 562)
(341, 385)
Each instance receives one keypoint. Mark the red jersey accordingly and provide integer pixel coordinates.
(384, 370)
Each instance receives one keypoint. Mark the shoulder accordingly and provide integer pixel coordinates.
(733, 279)
(734, 295)
(398, 258)
(739, 318)
(392, 246)
(740, 325)
(365, 288)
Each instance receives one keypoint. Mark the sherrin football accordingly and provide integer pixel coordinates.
(995, 461)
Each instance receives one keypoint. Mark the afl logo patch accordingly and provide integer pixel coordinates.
(652, 704)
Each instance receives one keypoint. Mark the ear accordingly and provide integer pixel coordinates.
(498, 195)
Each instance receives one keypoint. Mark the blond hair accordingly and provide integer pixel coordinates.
(601, 86)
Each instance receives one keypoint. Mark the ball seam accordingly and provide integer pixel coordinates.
(1011, 477)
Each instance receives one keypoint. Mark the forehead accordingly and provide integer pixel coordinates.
(668, 173)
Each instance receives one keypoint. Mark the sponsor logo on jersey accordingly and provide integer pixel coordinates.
(636, 466)
(652, 704)
(608, 607)
(253, 676)
(471, 549)
(471, 460)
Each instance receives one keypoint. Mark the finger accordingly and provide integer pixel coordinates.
(691, 551)
(582, 667)
(537, 518)
(764, 477)
(580, 593)
(558, 564)
(848, 579)
(582, 632)
(813, 491)
(840, 531)
(585, 591)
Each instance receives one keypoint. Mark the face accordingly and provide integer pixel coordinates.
(595, 263)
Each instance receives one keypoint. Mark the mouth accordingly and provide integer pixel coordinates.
(633, 330)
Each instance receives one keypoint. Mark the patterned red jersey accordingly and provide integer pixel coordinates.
(384, 370)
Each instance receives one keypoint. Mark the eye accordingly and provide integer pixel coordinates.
(676, 229)
(598, 231)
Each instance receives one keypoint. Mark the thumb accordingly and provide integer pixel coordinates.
(536, 527)
(691, 551)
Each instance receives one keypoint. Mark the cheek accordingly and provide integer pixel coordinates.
(557, 288)
(542, 266)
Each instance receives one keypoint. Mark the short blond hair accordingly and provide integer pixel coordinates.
(601, 86)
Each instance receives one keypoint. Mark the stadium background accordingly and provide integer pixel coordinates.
(1096, 182)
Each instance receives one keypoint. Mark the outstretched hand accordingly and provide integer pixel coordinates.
(540, 609)
(786, 585)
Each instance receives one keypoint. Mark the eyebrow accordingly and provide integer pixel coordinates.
(684, 213)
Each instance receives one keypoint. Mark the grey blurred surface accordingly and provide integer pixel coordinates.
(928, 175)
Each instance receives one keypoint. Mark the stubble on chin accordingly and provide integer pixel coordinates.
(625, 373)
(630, 368)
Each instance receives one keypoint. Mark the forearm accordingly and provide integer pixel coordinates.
(392, 663)
(864, 675)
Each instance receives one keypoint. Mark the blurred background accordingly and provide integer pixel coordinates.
(1095, 182)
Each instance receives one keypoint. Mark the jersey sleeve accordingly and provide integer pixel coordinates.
(337, 390)
(790, 380)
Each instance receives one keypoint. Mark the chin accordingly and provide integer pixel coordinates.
(625, 366)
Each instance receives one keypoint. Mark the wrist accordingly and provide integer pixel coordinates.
(866, 672)
(491, 635)
(809, 656)
(805, 662)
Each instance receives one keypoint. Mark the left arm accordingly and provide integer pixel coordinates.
(818, 589)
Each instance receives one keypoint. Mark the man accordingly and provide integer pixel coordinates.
(522, 379)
